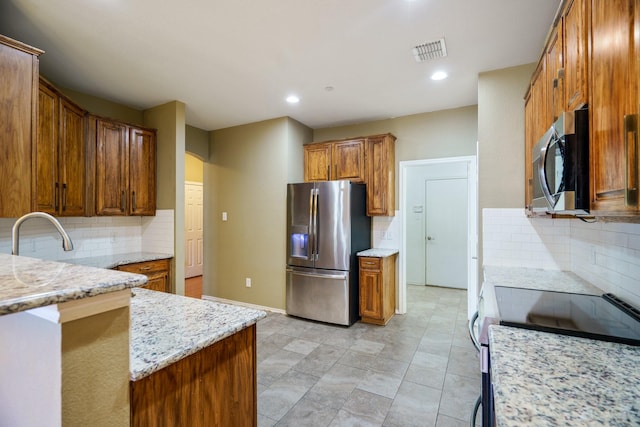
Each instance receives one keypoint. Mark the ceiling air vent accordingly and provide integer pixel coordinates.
(430, 50)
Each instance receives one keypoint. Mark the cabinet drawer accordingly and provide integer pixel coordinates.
(370, 263)
(146, 267)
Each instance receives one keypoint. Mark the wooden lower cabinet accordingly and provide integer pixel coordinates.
(158, 272)
(377, 289)
(217, 386)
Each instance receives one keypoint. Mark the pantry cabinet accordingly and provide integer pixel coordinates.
(60, 184)
(158, 273)
(613, 107)
(125, 168)
(377, 288)
(19, 72)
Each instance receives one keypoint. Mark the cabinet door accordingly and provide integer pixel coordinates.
(613, 97)
(381, 176)
(541, 117)
(18, 126)
(575, 35)
(158, 282)
(348, 160)
(72, 160)
(317, 162)
(371, 294)
(142, 172)
(47, 184)
(555, 80)
(112, 170)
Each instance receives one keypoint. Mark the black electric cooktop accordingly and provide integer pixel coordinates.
(605, 317)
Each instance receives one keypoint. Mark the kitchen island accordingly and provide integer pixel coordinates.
(66, 353)
(544, 379)
(192, 360)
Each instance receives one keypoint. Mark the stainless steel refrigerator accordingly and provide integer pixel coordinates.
(326, 225)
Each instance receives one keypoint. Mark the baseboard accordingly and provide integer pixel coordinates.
(243, 304)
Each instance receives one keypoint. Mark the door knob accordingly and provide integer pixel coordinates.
(430, 238)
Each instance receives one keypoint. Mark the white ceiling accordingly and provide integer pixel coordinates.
(234, 61)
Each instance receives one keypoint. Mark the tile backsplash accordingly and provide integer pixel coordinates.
(605, 254)
(93, 236)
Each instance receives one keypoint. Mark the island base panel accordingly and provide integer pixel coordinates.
(217, 386)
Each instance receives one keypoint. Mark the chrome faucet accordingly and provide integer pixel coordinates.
(67, 244)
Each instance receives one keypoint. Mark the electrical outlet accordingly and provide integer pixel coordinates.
(247, 282)
(224, 216)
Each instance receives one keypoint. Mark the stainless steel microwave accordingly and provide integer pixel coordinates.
(561, 166)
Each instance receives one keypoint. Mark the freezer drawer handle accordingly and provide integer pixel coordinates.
(320, 276)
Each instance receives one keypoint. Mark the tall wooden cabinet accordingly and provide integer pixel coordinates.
(60, 154)
(18, 125)
(125, 168)
(381, 184)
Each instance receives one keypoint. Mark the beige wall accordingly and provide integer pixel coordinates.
(446, 133)
(501, 140)
(105, 108)
(193, 169)
(501, 136)
(246, 177)
(197, 142)
(169, 120)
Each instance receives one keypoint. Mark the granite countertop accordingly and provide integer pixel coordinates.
(536, 278)
(112, 261)
(27, 283)
(544, 379)
(378, 252)
(166, 328)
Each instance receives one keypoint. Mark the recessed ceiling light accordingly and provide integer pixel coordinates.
(292, 99)
(439, 75)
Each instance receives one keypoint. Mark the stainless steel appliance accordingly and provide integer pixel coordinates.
(326, 225)
(605, 318)
(561, 166)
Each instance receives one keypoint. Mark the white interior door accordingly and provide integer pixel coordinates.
(193, 229)
(446, 232)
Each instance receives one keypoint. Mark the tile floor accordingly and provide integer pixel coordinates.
(419, 370)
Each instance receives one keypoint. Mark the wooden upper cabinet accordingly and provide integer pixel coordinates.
(381, 175)
(575, 24)
(142, 172)
(60, 154)
(18, 126)
(348, 160)
(317, 162)
(125, 169)
(555, 74)
(613, 106)
(542, 116)
(330, 161)
(112, 168)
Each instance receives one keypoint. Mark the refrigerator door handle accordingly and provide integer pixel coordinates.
(315, 223)
(312, 234)
(318, 275)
